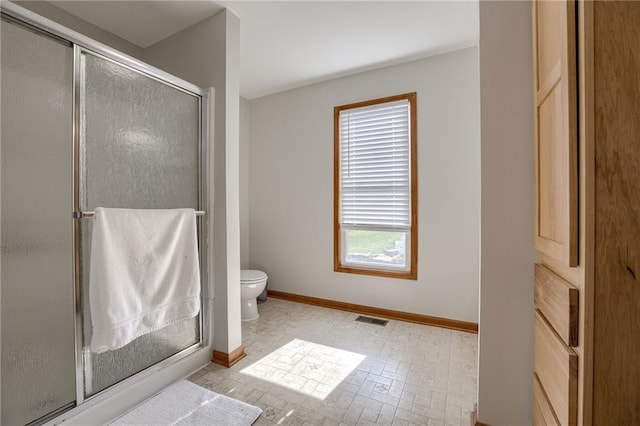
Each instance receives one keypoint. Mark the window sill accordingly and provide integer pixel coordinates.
(406, 275)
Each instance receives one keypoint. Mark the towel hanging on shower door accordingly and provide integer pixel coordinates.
(144, 273)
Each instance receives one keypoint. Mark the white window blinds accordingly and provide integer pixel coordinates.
(375, 187)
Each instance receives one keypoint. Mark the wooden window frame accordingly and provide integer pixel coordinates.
(412, 272)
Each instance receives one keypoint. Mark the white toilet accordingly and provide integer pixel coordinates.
(252, 283)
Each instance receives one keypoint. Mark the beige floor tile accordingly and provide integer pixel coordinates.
(307, 365)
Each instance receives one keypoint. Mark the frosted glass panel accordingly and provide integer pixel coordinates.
(140, 139)
(38, 364)
(139, 149)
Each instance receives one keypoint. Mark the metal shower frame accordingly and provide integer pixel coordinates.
(82, 44)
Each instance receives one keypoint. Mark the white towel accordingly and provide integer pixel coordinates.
(144, 273)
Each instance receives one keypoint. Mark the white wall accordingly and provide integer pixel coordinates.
(291, 180)
(244, 182)
(506, 293)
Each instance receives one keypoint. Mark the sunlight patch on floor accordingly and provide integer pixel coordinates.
(309, 368)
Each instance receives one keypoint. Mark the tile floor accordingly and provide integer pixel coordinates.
(307, 365)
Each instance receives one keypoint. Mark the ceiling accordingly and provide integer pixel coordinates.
(288, 44)
(142, 23)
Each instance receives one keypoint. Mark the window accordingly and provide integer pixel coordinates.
(375, 187)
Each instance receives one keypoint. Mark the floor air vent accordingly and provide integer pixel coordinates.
(370, 320)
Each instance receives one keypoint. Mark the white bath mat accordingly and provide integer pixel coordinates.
(185, 403)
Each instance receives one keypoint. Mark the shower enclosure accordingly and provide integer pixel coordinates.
(83, 126)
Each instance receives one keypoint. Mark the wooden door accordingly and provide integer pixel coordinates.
(616, 325)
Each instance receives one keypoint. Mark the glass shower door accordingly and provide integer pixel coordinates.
(38, 349)
(139, 148)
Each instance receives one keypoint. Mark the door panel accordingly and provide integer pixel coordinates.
(556, 365)
(556, 153)
(38, 349)
(543, 414)
(139, 148)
